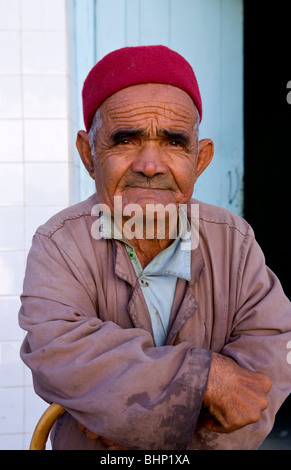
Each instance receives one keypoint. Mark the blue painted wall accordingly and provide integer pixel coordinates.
(209, 34)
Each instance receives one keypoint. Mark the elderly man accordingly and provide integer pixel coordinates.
(150, 342)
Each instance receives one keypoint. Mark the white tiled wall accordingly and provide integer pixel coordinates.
(38, 174)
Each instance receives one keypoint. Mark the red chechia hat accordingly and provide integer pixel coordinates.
(133, 66)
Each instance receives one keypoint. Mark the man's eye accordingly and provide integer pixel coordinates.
(124, 142)
(175, 143)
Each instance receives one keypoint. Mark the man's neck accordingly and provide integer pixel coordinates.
(152, 238)
(147, 250)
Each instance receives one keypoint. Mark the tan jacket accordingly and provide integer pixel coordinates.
(90, 345)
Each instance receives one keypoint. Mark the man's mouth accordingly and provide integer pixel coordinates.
(146, 187)
(156, 182)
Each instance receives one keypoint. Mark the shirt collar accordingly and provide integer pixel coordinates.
(175, 260)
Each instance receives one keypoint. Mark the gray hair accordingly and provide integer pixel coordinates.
(92, 134)
(97, 123)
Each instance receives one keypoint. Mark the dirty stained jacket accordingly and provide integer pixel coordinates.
(90, 346)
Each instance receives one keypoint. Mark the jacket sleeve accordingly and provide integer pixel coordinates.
(258, 340)
(112, 380)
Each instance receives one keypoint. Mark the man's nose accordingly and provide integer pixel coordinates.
(149, 160)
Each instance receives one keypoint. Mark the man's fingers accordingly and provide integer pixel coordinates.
(111, 445)
(104, 441)
(266, 382)
(91, 435)
(234, 396)
(209, 422)
(247, 412)
(81, 427)
(87, 432)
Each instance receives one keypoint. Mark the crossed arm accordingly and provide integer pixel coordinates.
(65, 348)
(234, 397)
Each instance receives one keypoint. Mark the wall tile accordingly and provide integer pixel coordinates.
(11, 228)
(46, 140)
(46, 184)
(11, 184)
(35, 407)
(10, 96)
(35, 139)
(43, 15)
(11, 366)
(11, 272)
(11, 442)
(11, 138)
(10, 14)
(44, 52)
(10, 52)
(11, 411)
(9, 328)
(45, 96)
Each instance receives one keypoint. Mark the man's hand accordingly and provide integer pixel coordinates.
(110, 445)
(234, 396)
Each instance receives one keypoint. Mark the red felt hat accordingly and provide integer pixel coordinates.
(132, 66)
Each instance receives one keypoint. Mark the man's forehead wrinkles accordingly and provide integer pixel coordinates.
(135, 109)
(150, 126)
(149, 120)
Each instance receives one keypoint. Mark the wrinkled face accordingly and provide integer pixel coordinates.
(146, 149)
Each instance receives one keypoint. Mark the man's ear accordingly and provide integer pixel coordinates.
(84, 150)
(206, 151)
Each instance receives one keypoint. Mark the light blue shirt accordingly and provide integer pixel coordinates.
(159, 278)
